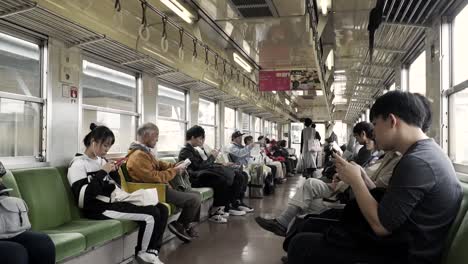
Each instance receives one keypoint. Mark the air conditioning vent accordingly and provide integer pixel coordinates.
(254, 8)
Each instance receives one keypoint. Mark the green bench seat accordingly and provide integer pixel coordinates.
(67, 244)
(52, 210)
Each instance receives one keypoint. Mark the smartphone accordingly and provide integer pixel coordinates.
(120, 161)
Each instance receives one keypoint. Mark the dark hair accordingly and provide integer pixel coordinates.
(313, 125)
(365, 127)
(308, 122)
(99, 134)
(195, 131)
(428, 118)
(282, 143)
(260, 138)
(405, 105)
(247, 138)
(267, 140)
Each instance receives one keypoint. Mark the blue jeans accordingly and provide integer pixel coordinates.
(27, 248)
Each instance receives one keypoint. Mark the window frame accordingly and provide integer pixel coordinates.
(138, 100)
(453, 89)
(165, 153)
(42, 41)
(216, 125)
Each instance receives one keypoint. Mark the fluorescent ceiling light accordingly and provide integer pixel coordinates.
(212, 82)
(295, 109)
(287, 101)
(274, 92)
(238, 59)
(340, 71)
(179, 9)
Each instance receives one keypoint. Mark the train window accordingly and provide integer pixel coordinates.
(458, 99)
(267, 129)
(105, 87)
(21, 101)
(110, 98)
(458, 108)
(341, 131)
(207, 119)
(417, 75)
(229, 124)
(172, 120)
(274, 131)
(257, 127)
(460, 42)
(245, 123)
(392, 87)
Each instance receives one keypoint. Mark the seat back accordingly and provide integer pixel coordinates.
(10, 182)
(74, 210)
(457, 238)
(44, 192)
(127, 185)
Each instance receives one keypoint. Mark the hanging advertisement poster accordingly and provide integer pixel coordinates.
(305, 80)
(289, 80)
(274, 81)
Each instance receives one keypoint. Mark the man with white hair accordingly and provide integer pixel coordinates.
(143, 166)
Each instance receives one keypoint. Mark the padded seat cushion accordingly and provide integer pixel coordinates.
(67, 244)
(74, 210)
(43, 191)
(205, 192)
(96, 232)
(128, 226)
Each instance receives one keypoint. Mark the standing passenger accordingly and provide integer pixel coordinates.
(93, 180)
(308, 154)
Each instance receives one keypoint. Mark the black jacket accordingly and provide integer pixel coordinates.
(197, 163)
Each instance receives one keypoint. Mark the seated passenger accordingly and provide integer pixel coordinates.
(276, 166)
(93, 180)
(419, 206)
(227, 184)
(27, 247)
(143, 166)
(239, 153)
(363, 132)
(308, 198)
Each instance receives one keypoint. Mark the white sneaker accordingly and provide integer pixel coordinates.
(246, 208)
(216, 218)
(220, 211)
(236, 211)
(144, 257)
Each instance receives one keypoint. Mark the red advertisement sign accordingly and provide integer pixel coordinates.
(289, 80)
(274, 81)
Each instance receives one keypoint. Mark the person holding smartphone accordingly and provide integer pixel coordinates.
(143, 166)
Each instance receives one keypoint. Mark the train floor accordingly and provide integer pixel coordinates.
(241, 240)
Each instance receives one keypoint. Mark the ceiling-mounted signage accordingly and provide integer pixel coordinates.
(289, 80)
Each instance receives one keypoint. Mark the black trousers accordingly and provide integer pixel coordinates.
(222, 191)
(313, 248)
(152, 220)
(239, 185)
(27, 248)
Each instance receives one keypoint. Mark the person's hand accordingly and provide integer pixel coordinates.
(109, 166)
(178, 163)
(180, 168)
(350, 173)
(214, 153)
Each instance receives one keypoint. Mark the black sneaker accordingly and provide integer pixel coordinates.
(177, 229)
(271, 225)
